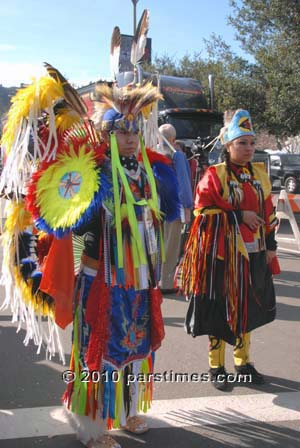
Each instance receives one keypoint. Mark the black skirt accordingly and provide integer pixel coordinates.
(208, 316)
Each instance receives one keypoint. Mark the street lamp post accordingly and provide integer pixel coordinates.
(134, 15)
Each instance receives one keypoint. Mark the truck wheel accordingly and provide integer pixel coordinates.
(291, 184)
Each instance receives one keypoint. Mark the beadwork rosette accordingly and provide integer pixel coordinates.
(63, 193)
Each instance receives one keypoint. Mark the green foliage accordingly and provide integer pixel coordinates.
(269, 87)
(238, 84)
(269, 30)
(261, 23)
(163, 65)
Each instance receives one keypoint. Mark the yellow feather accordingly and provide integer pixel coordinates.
(36, 301)
(18, 218)
(17, 221)
(39, 95)
(66, 118)
(57, 210)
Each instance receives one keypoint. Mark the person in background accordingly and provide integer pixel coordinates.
(173, 230)
(230, 256)
(180, 146)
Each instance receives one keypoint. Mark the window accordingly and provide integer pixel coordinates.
(275, 161)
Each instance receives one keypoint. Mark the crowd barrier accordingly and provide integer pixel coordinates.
(286, 207)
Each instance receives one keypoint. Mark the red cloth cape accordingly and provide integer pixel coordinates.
(58, 278)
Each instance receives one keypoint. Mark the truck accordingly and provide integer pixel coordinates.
(185, 106)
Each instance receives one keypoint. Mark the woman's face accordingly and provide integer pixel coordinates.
(128, 142)
(241, 149)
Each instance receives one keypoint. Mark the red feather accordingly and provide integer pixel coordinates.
(154, 156)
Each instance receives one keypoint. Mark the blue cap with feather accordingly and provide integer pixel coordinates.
(239, 126)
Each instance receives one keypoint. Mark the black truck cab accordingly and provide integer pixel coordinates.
(184, 105)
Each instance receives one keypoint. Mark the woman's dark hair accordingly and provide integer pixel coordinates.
(225, 155)
(226, 158)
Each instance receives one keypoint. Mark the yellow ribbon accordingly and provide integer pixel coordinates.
(138, 252)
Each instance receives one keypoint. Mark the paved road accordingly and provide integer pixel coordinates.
(188, 414)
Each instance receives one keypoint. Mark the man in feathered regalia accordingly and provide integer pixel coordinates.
(83, 243)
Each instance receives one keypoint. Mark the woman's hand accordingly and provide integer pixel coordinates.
(252, 219)
(270, 254)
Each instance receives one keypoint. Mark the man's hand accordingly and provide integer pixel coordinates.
(252, 219)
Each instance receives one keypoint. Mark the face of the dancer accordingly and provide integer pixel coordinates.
(128, 142)
(241, 150)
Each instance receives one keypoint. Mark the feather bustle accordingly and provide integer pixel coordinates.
(70, 94)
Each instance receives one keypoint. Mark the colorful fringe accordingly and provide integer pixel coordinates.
(216, 238)
(21, 260)
(107, 392)
(21, 278)
(41, 303)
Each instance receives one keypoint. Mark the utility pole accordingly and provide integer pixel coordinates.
(134, 15)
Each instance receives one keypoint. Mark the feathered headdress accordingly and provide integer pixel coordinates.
(140, 39)
(120, 108)
(40, 113)
(115, 46)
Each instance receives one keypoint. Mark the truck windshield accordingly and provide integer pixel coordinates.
(188, 127)
(293, 159)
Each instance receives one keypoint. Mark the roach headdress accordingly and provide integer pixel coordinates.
(121, 108)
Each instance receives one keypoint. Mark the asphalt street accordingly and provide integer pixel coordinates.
(185, 414)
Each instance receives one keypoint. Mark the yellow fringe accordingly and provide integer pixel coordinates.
(118, 400)
(36, 301)
(17, 218)
(40, 94)
(17, 221)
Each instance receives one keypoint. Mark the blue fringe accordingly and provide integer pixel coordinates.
(104, 193)
(109, 393)
(167, 190)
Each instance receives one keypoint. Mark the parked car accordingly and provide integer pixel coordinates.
(215, 156)
(285, 171)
